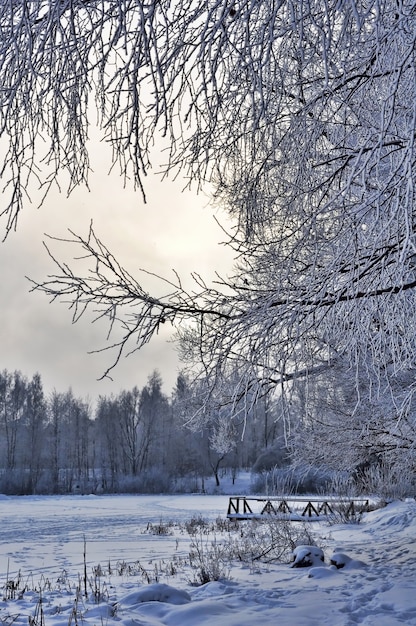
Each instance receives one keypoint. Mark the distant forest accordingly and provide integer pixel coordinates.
(137, 441)
(144, 441)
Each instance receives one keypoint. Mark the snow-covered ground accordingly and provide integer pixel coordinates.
(43, 539)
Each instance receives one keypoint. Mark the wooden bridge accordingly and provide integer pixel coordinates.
(241, 507)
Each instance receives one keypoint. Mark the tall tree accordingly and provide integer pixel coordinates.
(155, 423)
(56, 413)
(301, 113)
(129, 418)
(75, 425)
(35, 418)
(108, 440)
(344, 422)
(13, 393)
(187, 446)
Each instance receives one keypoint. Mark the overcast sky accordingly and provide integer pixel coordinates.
(174, 229)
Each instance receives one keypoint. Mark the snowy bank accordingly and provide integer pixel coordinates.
(368, 575)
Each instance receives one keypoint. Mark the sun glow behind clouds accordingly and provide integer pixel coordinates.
(175, 230)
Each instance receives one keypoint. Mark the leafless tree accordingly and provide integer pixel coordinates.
(300, 112)
(322, 91)
(13, 395)
(346, 423)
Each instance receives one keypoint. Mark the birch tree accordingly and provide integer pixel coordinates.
(154, 413)
(35, 422)
(129, 421)
(108, 436)
(13, 395)
(56, 414)
(301, 114)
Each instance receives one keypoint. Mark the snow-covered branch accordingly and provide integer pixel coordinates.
(300, 113)
(322, 92)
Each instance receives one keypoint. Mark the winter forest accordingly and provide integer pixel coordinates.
(137, 441)
(144, 441)
(299, 118)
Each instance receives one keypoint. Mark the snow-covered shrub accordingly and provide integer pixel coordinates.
(307, 556)
(289, 480)
(161, 528)
(340, 485)
(276, 481)
(342, 488)
(209, 559)
(263, 541)
(388, 481)
(309, 479)
(153, 481)
(187, 484)
(196, 525)
(268, 540)
(342, 513)
(13, 482)
(45, 483)
(271, 458)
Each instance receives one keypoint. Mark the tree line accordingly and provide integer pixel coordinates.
(136, 441)
(145, 441)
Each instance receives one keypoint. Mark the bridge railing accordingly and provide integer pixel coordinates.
(242, 507)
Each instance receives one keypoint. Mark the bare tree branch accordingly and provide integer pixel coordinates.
(300, 113)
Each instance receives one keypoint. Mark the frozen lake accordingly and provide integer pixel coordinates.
(34, 527)
(42, 544)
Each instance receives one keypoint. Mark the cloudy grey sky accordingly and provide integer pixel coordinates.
(174, 229)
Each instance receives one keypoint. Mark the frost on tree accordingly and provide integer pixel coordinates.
(300, 113)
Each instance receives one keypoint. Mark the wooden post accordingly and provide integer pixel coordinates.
(268, 508)
(325, 508)
(310, 510)
(246, 507)
(283, 507)
(233, 508)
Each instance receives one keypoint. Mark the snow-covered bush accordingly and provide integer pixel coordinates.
(152, 481)
(289, 480)
(276, 481)
(187, 484)
(271, 458)
(268, 540)
(388, 481)
(307, 556)
(209, 559)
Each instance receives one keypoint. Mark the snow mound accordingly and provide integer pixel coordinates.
(341, 560)
(396, 516)
(322, 572)
(158, 592)
(213, 588)
(306, 556)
